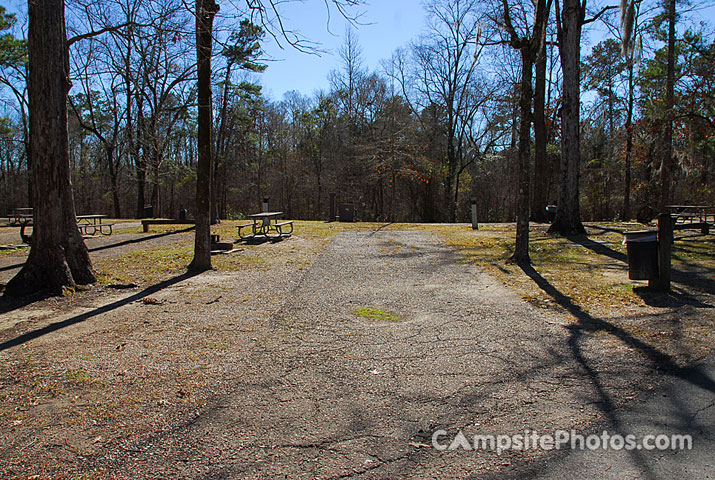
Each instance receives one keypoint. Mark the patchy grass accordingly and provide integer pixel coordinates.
(595, 281)
(77, 375)
(586, 277)
(145, 266)
(14, 251)
(375, 314)
(159, 229)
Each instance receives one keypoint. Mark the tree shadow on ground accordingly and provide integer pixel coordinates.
(607, 229)
(697, 280)
(381, 228)
(589, 324)
(31, 335)
(112, 245)
(139, 240)
(11, 267)
(688, 278)
(598, 247)
(9, 304)
(674, 298)
(261, 240)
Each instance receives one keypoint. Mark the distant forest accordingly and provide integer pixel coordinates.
(435, 126)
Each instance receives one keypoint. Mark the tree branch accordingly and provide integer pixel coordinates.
(598, 15)
(102, 31)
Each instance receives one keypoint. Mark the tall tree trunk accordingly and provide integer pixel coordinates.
(132, 146)
(141, 181)
(220, 151)
(28, 156)
(451, 170)
(568, 215)
(58, 257)
(393, 185)
(626, 212)
(319, 205)
(155, 182)
(109, 151)
(140, 161)
(666, 170)
(205, 12)
(541, 165)
(521, 248)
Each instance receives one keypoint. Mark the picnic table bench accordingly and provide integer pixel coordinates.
(692, 217)
(92, 225)
(263, 224)
(20, 215)
(86, 224)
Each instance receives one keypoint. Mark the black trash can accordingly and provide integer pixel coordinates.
(642, 247)
(182, 214)
(148, 211)
(346, 212)
(551, 212)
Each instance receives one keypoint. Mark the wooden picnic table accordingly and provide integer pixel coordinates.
(20, 215)
(692, 216)
(92, 224)
(264, 223)
(87, 225)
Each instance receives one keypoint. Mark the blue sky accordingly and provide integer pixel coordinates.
(385, 26)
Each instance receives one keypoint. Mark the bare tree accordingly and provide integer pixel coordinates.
(98, 109)
(346, 80)
(13, 75)
(541, 135)
(446, 61)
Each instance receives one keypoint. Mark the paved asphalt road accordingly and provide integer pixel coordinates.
(684, 405)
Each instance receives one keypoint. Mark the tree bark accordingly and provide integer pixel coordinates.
(521, 248)
(568, 215)
(626, 212)
(541, 166)
(528, 48)
(220, 153)
(109, 151)
(666, 169)
(205, 12)
(140, 160)
(58, 257)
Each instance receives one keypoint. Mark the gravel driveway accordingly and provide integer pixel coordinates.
(321, 392)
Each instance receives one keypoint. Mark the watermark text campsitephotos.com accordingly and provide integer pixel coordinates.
(532, 440)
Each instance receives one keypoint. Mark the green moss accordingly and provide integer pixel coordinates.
(77, 375)
(375, 314)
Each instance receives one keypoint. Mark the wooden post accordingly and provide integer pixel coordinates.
(665, 248)
(704, 227)
(475, 221)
